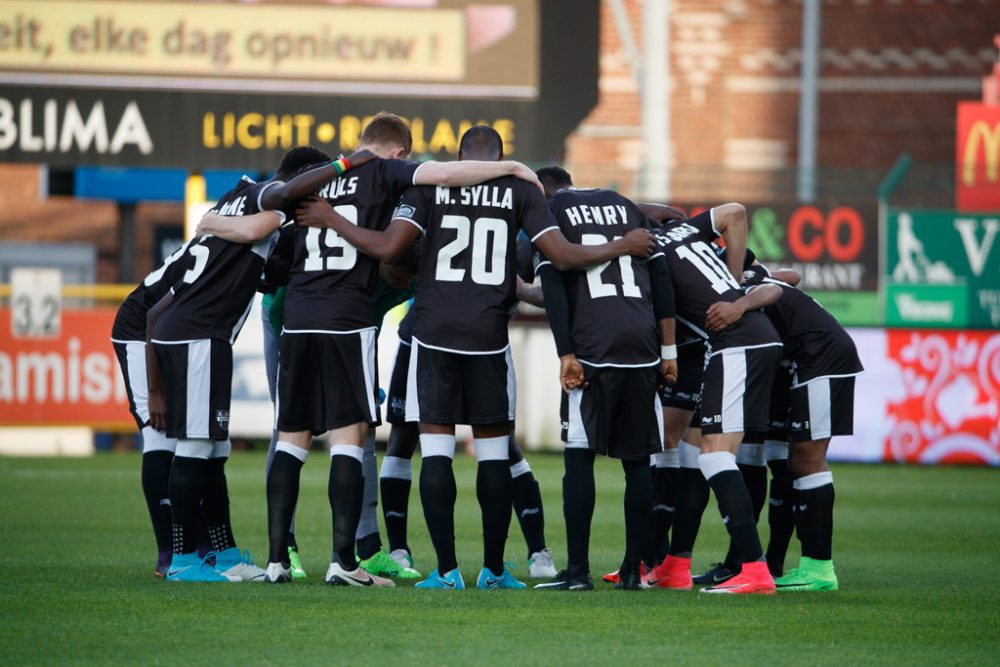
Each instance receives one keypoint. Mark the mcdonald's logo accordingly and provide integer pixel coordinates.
(988, 137)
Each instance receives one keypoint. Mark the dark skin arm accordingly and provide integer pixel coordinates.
(723, 314)
(530, 294)
(787, 276)
(668, 368)
(157, 402)
(566, 256)
(387, 246)
(661, 212)
(284, 195)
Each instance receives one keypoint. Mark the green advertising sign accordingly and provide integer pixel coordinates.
(943, 269)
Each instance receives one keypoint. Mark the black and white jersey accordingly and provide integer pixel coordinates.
(130, 321)
(213, 298)
(700, 279)
(611, 321)
(466, 285)
(331, 285)
(814, 341)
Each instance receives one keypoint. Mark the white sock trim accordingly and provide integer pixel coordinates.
(751, 454)
(687, 455)
(775, 450)
(194, 449)
(437, 444)
(396, 467)
(492, 449)
(221, 449)
(668, 458)
(813, 481)
(712, 463)
(354, 451)
(520, 468)
(155, 441)
(292, 450)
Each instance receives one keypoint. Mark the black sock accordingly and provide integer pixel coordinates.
(156, 487)
(493, 490)
(395, 503)
(216, 506)
(665, 482)
(815, 514)
(579, 496)
(638, 513)
(735, 505)
(692, 499)
(755, 478)
(528, 506)
(292, 544)
(187, 486)
(346, 493)
(282, 496)
(369, 545)
(437, 495)
(779, 515)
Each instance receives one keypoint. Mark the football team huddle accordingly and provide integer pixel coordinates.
(680, 355)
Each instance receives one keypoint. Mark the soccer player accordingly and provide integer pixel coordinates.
(821, 405)
(614, 331)
(736, 384)
(190, 332)
(327, 360)
(460, 368)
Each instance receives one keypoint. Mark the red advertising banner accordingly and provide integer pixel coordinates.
(72, 379)
(977, 157)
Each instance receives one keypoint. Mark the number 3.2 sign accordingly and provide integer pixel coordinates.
(36, 303)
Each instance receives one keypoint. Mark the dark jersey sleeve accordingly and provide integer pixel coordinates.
(413, 207)
(536, 217)
(662, 288)
(397, 175)
(279, 262)
(525, 254)
(703, 223)
(557, 308)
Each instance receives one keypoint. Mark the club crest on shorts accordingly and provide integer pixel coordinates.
(222, 418)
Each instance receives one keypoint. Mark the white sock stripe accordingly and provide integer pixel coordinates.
(194, 449)
(750, 454)
(813, 481)
(492, 449)
(775, 450)
(687, 455)
(221, 449)
(289, 448)
(396, 467)
(712, 463)
(155, 441)
(354, 451)
(520, 468)
(436, 444)
(668, 458)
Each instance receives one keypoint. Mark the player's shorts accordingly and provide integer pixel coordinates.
(736, 389)
(690, 366)
(326, 381)
(619, 414)
(132, 361)
(395, 411)
(451, 388)
(197, 385)
(821, 408)
(777, 420)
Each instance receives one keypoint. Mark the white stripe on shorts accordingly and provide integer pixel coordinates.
(818, 393)
(658, 407)
(412, 397)
(734, 378)
(370, 366)
(199, 385)
(135, 359)
(576, 435)
(511, 386)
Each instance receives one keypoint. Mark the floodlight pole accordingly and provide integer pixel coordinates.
(808, 101)
(655, 175)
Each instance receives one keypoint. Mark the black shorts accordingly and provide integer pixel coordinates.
(197, 385)
(451, 388)
(132, 362)
(395, 411)
(821, 408)
(326, 381)
(736, 389)
(690, 366)
(618, 414)
(777, 420)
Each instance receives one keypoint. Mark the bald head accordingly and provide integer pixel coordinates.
(481, 142)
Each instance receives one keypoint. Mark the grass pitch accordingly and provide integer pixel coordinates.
(916, 551)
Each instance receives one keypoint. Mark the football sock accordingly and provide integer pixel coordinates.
(755, 478)
(692, 499)
(779, 514)
(579, 496)
(188, 476)
(528, 506)
(346, 493)
(638, 513)
(814, 498)
(734, 502)
(367, 536)
(156, 487)
(282, 496)
(437, 495)
(396, 479)
(216, 506)
(666, 471)
(493, 490)
(271, 451)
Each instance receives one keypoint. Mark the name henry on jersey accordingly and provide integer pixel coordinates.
(596, 215)
(478, 195)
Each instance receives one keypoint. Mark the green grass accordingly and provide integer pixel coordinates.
(916, 551)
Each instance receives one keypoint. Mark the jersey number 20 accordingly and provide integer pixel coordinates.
(489, 242)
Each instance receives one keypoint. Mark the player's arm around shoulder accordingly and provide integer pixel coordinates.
(723, 314)
(471, 172)
(240, 228)
(730, 222)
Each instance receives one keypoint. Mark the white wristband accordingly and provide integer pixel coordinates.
(668, 352)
